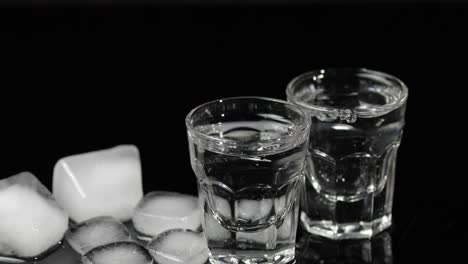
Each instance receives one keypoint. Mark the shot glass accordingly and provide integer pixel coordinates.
(248, 154)
(357, 124)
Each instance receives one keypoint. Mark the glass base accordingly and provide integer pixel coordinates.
(237, 256)
(358, 230)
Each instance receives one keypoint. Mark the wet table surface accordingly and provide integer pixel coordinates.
(309, 249)
(395, 245)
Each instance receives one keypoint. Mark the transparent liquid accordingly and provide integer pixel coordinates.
(250, 195)
(351, 166)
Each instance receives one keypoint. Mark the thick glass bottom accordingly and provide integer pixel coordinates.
(238, 256)
(337, 231)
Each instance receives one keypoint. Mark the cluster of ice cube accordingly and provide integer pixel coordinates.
(98, 191)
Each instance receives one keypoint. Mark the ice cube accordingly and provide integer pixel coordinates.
(95, 232)
(104, 182)
(31, 221)
(124, 252)
(160, 211)
(254, 210)
(177, 246)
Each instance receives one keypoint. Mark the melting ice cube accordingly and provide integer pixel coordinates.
(160, 211)
(104, 182)
(126, 252)
(177, 246)
(95, 232)
(31, 221)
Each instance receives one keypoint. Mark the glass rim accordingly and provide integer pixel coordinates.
(374, 111)
(284, 138)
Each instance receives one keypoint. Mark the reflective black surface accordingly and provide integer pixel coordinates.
(311, 249)
(76, 80)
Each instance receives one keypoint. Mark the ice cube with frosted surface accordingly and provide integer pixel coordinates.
(177, 246)
(126, 252)
(95, 232)
(31, 221)
(160, 211)
(98, 183)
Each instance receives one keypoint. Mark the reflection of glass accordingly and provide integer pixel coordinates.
(248, 154)
(357, 123)
(312, 249)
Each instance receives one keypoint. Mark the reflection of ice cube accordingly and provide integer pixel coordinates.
(266, 237)
(31, 221)
(118, 253)
(161, 211)
(242, 134)
(96, 232)
(254, 210)
(179, 246)
(104, 182)
(280, 205)
(214, 230)
(285, 231)
(223, 207)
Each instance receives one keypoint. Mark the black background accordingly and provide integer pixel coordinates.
(82, 78)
